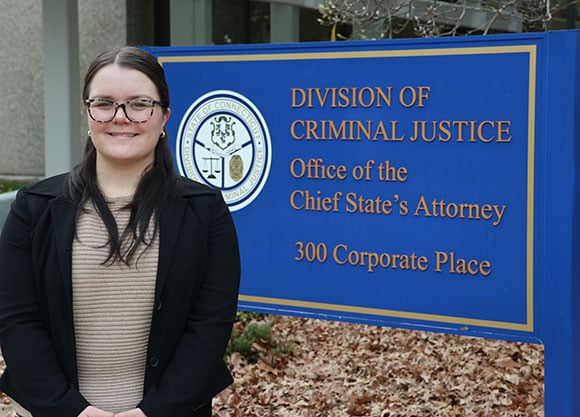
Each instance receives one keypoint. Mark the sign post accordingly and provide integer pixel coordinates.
(424, 184)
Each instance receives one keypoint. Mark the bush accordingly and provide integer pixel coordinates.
(249, 341)
(6, 186)
(252, 337)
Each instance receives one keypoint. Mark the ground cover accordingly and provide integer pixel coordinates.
(315, 368)
(6, 185)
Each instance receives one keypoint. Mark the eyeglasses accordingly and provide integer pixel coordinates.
(137, 111)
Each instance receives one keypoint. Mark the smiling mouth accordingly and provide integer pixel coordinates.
(123, 134)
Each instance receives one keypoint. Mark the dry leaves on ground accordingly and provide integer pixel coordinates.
(319, 368)
(342, 369)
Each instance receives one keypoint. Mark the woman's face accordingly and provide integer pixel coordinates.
(120, 142)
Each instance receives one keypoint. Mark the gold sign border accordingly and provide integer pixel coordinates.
(528, 326)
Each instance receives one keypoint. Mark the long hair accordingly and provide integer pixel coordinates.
(156, 182)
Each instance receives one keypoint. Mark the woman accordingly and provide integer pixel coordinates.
(118, 281)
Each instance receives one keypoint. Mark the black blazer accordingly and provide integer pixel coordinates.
(195, 302)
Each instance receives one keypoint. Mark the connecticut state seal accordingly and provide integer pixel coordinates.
(223, 141)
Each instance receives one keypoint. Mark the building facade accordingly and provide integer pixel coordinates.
(47, 45)
(29, 36)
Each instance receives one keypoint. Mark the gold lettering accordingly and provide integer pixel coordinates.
(343, 255)
(461, 266)
(298, 97)
(451, 210)
(344, 97)
(501, 130)
(422, 206)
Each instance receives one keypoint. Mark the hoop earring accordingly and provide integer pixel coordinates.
(89, 133)
(162, 135)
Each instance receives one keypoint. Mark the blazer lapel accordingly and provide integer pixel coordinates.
(64, 216)
(169, 227)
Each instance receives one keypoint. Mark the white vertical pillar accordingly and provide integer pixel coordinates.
(284, 23)
(182, 16)
(61, 85)
(202, 22)
(191, 22)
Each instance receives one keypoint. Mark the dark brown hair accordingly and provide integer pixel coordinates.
(153, 189)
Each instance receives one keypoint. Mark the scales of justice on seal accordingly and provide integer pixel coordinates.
(223, 136)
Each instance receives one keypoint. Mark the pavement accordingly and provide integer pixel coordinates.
(5, 201)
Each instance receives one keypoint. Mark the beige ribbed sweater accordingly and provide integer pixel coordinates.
(112, 306)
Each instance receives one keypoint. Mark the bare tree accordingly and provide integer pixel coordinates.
(379, 19)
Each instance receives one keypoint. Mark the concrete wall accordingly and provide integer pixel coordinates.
(21, 88)
(102, 25)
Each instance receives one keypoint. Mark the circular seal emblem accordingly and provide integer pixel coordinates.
(223, 141)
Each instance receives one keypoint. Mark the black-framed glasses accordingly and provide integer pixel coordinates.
(137, 111)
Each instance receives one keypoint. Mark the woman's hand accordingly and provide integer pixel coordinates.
(91, 411)
(136, 412)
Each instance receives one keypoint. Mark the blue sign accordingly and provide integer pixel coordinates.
(375, 184)
(424, 184)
